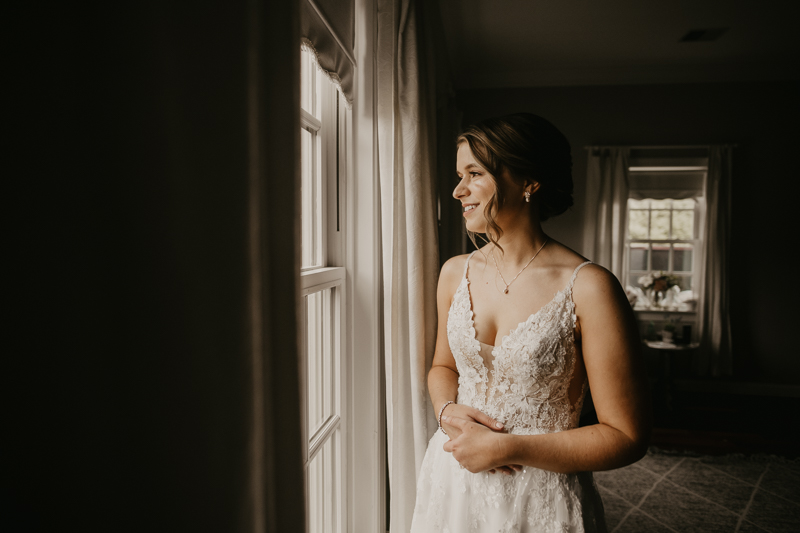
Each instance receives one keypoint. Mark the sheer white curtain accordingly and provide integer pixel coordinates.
(406, 147)
(606, 208)
(714, 309)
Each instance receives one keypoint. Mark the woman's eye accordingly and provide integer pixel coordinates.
(471, 174)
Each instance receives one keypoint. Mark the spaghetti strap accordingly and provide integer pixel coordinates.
(575, 274)
(466, 264)
(569, 289)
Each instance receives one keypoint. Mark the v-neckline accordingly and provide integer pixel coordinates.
(513, 330)
(490, 367)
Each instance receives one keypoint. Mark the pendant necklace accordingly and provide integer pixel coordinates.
(505, 291)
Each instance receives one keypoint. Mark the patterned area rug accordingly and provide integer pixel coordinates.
(681, 492)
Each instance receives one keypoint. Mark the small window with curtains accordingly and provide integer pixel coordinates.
(323, 277)
(664, 231)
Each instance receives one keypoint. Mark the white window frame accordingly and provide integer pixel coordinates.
(328, 121)
(359, 270)
(696, 242)
(658, 317)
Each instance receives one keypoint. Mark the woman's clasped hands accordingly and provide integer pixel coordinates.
(476, 440)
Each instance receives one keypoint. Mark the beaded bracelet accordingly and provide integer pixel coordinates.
(440, 416)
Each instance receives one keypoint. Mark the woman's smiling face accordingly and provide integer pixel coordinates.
(474, 190)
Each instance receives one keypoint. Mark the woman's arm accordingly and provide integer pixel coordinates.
(443, 376)
(614, 367)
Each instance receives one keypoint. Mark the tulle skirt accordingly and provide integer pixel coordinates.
(451, 499)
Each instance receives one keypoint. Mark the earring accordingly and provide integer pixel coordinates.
(527, 197)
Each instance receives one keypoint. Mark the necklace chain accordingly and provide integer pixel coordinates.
(505, 291)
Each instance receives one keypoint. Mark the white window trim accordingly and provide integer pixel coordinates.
(333, 172)
(320, 279)
(357, 252)
(697, 249)
(660, 316)
(672, 165)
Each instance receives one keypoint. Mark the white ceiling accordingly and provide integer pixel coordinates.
(533, 43)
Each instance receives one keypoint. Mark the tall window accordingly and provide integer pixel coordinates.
(322, 280)
(666, 207)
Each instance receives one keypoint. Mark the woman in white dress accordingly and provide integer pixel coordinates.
(525, 326)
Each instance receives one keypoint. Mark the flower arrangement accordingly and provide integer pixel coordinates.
(657, 281)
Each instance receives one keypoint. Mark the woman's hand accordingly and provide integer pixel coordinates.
(466, 412)
(477, 448)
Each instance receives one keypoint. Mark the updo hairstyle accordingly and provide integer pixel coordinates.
(531, 149)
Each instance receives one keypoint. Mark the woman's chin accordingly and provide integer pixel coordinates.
(475, 222)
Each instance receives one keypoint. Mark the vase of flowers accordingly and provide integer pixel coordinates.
(655, 285)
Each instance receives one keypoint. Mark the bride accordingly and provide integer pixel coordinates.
(525, 326)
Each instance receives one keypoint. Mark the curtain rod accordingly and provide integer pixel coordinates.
(657, 147)
(334, 34)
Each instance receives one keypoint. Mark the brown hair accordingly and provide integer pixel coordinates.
(531, 149)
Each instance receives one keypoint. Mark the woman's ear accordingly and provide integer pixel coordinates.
(532, 186)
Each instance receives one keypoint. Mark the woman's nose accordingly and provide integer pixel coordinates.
(460, 190)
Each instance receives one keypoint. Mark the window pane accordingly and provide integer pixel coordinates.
(660, 257)
(324, 475)
(682, 257)
(683, 224)
(308, 73)
(638, 256)
(637, 204)
(684, 282)
(310, 229)
(321, 368)
(660, 204)
(637, 224)
(659, 224)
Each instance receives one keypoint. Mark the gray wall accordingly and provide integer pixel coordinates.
(763, 119)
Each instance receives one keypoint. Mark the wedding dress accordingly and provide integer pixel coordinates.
(528, 391)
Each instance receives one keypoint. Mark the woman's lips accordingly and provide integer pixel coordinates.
(468, 211)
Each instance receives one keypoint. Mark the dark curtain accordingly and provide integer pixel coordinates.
(152, 365)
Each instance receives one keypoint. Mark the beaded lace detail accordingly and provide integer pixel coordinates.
(531, 371)
(532, 367)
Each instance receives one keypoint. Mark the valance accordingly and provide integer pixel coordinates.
(327, 29)
(667, 172)
(666, 184)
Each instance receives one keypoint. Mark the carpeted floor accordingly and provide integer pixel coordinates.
(685, 493)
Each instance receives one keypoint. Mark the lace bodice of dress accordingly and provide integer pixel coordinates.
(532, 367)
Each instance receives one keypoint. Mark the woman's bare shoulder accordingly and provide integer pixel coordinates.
(454, 265)
(452, 272)
(597, 286)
